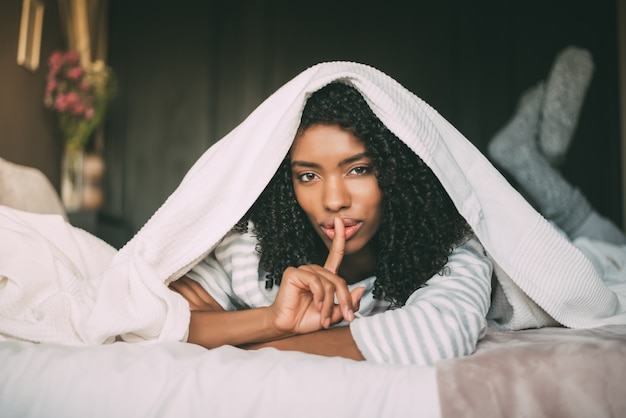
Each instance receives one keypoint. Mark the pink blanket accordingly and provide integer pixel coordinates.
(548, 372)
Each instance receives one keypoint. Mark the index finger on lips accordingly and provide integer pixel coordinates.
(337, 248)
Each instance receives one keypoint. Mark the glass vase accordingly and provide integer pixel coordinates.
(72, 178)
(93, 173)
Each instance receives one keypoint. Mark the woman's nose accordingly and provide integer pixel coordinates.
(336, 195)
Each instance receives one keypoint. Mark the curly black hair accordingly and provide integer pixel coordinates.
(420, 225)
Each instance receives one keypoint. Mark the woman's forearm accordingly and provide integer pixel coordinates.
(212, 329)
(211, 326)
(334, 342)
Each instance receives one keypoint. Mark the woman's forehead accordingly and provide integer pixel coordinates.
(325, 141)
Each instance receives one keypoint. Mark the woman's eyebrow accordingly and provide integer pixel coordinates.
(345, 161)
(306, 164)
(354, 158)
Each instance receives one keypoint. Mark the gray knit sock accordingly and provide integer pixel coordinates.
(566, 88)
(514, 148)
(598, 227)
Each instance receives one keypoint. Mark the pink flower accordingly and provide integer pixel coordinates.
(56, 59)
(61, 103)
(54, 70)
(77, 109)
(75, 73)
(72, 57)
(72, 98)
(50, 86)
(56, 62)
(71, 93)
(85, 86)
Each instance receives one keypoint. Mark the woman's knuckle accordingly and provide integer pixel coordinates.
(328, 285)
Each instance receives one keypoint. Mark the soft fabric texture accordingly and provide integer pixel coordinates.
(49, 272)
(28, 189)
(539, 373)
(173, 379)
(131, 297)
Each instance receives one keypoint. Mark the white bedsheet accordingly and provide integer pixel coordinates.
(170, 379)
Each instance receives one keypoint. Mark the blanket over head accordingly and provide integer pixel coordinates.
(543, 277)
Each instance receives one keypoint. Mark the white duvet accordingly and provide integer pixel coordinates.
(170, 379)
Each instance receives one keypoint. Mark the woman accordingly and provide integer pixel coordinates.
(424, 279)
(351, 211)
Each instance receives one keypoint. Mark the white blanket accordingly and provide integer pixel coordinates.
(172, 379)
(97, 295)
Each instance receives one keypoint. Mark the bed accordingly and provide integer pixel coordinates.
(80, 368)
(548, 372)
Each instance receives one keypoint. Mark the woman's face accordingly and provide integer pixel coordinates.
(334, 177)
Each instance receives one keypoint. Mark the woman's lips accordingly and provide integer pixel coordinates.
(350, 226)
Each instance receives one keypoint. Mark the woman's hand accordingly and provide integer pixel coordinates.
(305, 303)
(197, 297)
(306, 298)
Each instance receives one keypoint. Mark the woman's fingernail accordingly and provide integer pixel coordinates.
(349, 314)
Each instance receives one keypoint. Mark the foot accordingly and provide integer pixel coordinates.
(518, 138)
(566, 88)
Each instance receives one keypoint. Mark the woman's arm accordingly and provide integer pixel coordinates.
(444, 319)
(334, 342)
(211, 326)
(305, 303)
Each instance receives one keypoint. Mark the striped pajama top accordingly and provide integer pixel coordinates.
(443, 319)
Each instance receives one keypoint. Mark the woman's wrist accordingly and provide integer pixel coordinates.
(212, 329)
(337, 341)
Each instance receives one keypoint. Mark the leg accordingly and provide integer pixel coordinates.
(514, 148)
(538, 136)
(599, 228)
(566, 88)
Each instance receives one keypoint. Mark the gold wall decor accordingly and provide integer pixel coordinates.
(84, 24)
(29, 45)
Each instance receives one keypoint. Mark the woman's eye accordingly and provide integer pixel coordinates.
(360, 170)
(306, 177)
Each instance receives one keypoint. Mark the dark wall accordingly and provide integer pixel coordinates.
(190, 71)
(28, 131)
